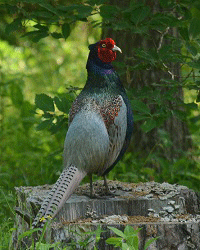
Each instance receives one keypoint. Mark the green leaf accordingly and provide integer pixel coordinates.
(114, 241)
(191, 106)
(98, 232)
(50, 8)
(66, 30)
(184, 33)
(135, 242)
(108, 12)
(148, 125)
(36, 35)
(43, 14)
(39, 36)
(47, 115)
(191, 48)
(56, 35)
(129, 231)
(149, 242)
(84, 11)
(63, 104)
(117, 231)
(31, 33)
(140, 106)
(16, 95)
(194, 64)
(59, 124)
(15, 25)
(139, 14)
(194, 29)
(161, 21)
(44, 124)
(44, 102)
(125, 246)
(140, 117)
(41, 27)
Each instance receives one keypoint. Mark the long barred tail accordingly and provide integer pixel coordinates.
(61, 191)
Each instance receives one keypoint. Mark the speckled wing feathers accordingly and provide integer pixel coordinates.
(117, 133)
(110, 110)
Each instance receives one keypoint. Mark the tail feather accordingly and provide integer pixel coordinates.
(61, 191)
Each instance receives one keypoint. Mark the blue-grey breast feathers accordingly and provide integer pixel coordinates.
(87, 140)
(100, 123)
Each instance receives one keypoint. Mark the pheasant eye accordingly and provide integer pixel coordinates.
(103, 45)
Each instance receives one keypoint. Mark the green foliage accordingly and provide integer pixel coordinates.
(28, 156)
(36, 59)
(6, 230)
(62, 16)
(84, 239)
(54, 121)
(128, 239)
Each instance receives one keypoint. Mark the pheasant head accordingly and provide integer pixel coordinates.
(103, 53)
(107, 50)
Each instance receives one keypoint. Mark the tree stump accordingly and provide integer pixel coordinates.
(170, 212)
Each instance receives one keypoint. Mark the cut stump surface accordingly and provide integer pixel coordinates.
(168, 211)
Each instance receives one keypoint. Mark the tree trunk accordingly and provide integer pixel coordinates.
(178, 132)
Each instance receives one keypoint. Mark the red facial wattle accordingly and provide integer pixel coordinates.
(106, 54)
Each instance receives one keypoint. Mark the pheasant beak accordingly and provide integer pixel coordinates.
(115, 48)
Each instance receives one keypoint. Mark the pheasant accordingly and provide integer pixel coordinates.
(101, 124)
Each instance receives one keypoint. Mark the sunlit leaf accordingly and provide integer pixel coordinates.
(114, 241)
(117, 231)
